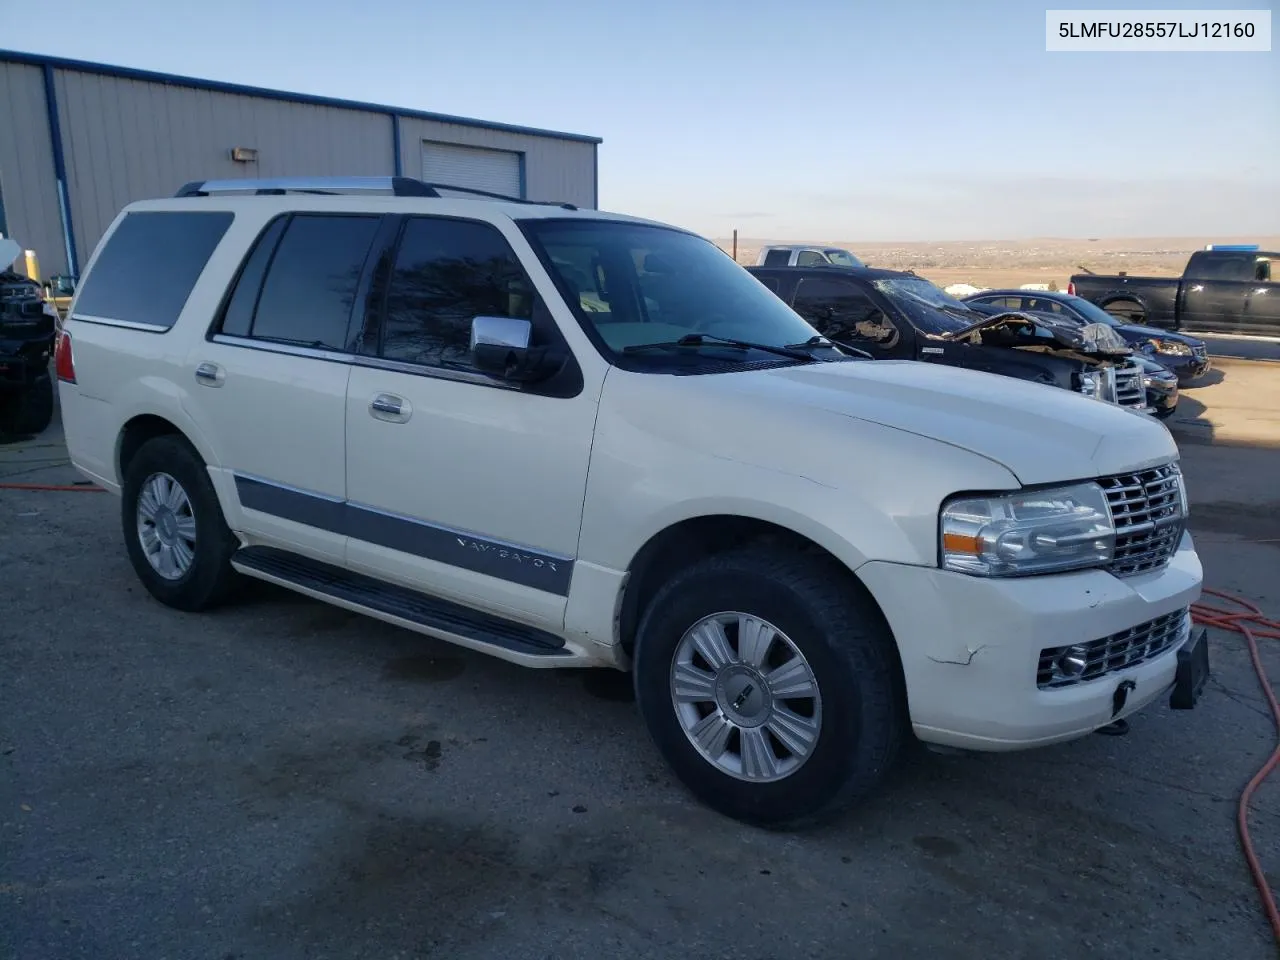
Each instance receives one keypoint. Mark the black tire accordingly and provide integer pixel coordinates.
(849, 646)
(29, 412)
(1164, 413)
(210, 578)
(1127, 311)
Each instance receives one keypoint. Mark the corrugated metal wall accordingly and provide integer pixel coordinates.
(26, 167)
(127, 139)
(555, 170)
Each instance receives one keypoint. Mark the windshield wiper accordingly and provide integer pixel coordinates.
(703, 339)
(820, 341)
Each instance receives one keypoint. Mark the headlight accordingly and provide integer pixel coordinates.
(1032, 531)
(1171, 347)
(1091, 384)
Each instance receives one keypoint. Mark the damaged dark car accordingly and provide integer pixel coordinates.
(894, 315)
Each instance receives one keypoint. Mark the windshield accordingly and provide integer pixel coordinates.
(843, 257)
(930, 309)
(1091, 312)
(633, 285)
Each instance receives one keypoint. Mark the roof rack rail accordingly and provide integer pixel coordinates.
(396, 186)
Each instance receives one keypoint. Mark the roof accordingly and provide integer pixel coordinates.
(865, 273)
(219, 86)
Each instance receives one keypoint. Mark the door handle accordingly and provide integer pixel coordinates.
(386, 406)
(210, 375)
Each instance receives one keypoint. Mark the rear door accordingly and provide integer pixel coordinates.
(847, 311)
(1215, 289)
(270, 383)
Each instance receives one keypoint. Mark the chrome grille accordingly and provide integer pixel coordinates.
(1149, 518)
(1130, 391)
(1200, 351)
(1128, 648)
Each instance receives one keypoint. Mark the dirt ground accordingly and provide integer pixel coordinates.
(1001, 263)
(282, 779)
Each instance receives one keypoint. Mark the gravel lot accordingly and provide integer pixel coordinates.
(285, 779)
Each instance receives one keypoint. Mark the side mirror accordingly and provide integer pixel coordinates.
(501, 346)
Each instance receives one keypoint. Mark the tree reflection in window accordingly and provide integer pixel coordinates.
(448, 272)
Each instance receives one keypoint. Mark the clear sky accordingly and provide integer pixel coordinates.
(896, 120)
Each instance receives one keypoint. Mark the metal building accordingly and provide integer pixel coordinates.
(80, 140)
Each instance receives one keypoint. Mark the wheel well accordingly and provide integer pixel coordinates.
(1115, 301)
(137, 432)
(691, 540)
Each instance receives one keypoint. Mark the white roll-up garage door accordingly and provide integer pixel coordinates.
(480, 168)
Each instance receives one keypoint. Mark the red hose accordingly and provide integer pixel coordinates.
(60, 487)
(1238, 621)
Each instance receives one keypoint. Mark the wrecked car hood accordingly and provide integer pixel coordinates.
(1017, 329)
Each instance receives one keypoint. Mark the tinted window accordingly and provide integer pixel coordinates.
(843, 311)
(809, 258)
(777, 258)
(146, 271)
(311, 283)
(1219, 267)
(446, 273)
(238, 316)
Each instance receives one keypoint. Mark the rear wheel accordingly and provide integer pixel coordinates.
(1127, 311)
(177, 539)
(29, 411)
(768, 682)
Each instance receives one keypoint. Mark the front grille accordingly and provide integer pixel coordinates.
(1128, 648)
(1130, 391)
(1147, 511)
(1200, 351)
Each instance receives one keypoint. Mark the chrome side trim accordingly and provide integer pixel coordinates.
(125, 324)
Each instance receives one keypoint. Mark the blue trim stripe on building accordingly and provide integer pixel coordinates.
(397, 161)
(60, 171)
(219, 86)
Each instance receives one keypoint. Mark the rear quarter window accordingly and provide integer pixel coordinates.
(145, 272)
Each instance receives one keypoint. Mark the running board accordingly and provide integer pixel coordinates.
(396, 604)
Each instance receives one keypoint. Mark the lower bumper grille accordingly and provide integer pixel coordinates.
(1067, 666)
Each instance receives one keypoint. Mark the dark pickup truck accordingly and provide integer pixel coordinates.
(1232, 290)
(891, 315)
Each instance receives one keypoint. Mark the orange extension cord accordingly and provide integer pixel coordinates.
(1252, 624)
(1237, 621)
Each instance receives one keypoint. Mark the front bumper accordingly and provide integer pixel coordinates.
(1187, 368)
(970, 647)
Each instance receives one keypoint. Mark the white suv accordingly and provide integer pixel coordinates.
(568, 439)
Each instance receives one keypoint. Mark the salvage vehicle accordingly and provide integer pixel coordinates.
(571, 438)
(28, 325)
(1161, 385)
(1229, 290)
(805, 255)
(1187, 356)
(901, 316)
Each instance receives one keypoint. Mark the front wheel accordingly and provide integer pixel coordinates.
(768, 682)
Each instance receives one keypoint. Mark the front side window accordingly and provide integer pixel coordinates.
(446, 273)
(810, 258)
(843, 258)
(299, 283)
(845, 312)
(636, 286)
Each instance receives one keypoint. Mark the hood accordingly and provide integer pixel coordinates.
(1136, 330)
(1040, 434)
(1018, 329)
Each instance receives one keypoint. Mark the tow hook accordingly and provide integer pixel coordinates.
(1118, 728)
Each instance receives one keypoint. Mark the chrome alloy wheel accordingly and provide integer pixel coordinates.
(746, 697)
(166, 526)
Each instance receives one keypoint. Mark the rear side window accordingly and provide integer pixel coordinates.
(299, 283)
(777, 258)
(145, 272)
